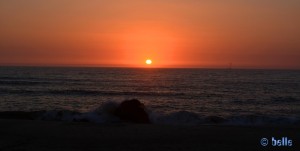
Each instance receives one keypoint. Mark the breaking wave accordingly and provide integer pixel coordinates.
(104, 114)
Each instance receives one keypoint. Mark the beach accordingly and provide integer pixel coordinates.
(38, 135)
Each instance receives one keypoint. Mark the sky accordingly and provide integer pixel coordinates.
(172, 33)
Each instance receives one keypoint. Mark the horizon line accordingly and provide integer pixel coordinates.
(145, 67)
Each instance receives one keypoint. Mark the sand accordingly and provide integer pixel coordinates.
(29, 135)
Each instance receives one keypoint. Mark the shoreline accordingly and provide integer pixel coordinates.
(59, 135)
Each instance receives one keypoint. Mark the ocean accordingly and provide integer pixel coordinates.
(171, 96)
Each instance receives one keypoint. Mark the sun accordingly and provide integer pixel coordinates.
(148, 61)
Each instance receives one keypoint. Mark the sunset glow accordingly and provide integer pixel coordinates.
(247, 34)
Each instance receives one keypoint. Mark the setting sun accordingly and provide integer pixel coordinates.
(148, 61)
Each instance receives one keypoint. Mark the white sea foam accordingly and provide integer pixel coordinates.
(102, 114)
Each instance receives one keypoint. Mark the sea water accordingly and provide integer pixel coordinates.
(240, 96)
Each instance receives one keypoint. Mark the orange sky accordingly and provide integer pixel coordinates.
(173, 33)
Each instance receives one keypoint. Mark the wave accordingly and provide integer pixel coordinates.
(87, 92)
(98, 92)
(190, 118)
(22, 83)
(104, 114)
(285, 99)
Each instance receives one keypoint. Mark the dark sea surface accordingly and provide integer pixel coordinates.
(200, 96)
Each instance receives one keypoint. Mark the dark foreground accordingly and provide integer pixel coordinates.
(28, 135)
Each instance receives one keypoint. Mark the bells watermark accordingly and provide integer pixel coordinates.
(280, 142)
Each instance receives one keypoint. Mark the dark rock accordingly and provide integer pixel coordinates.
(132, 111)
(215, 119)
